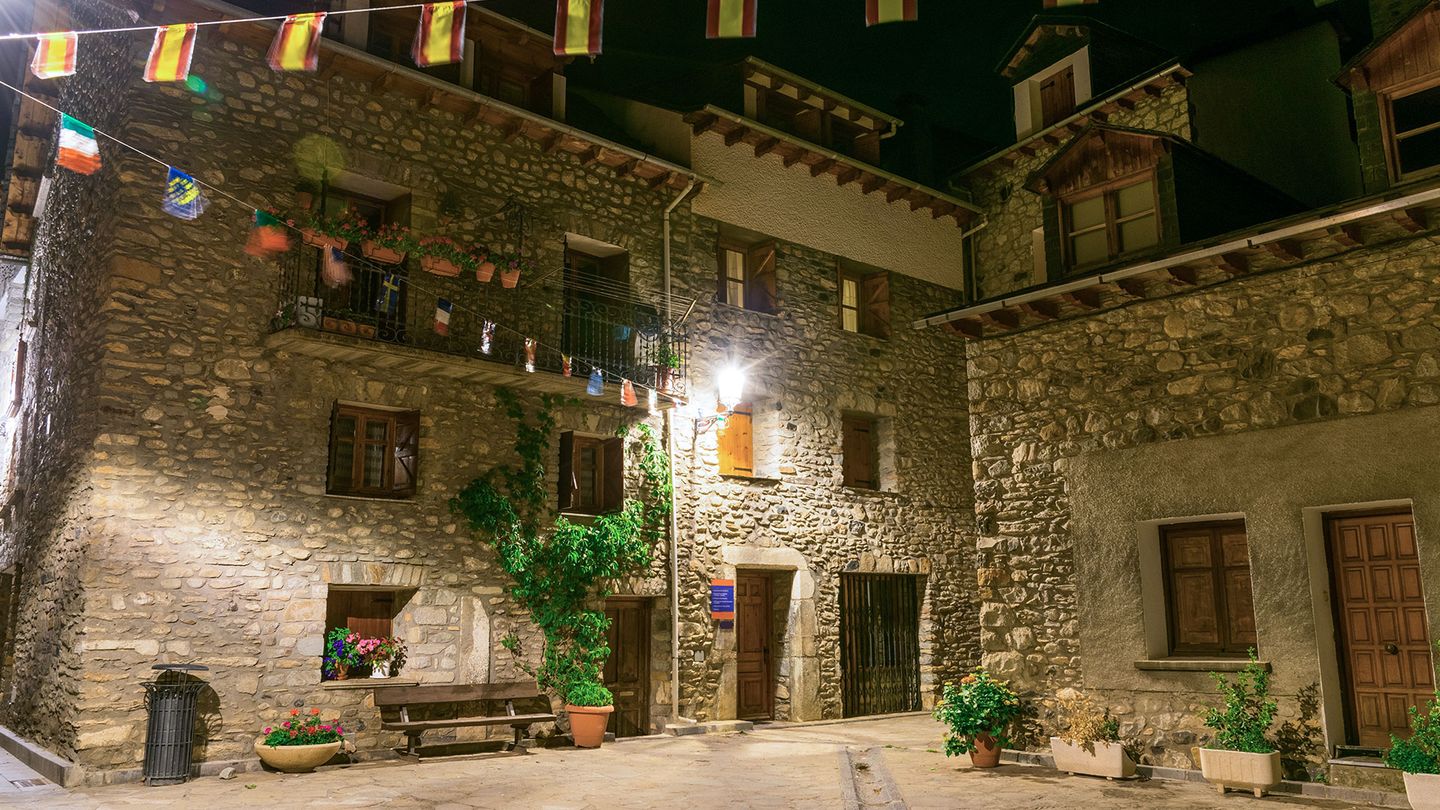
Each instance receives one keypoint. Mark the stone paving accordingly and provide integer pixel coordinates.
(842, 765)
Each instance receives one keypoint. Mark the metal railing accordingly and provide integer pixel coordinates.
(396, 304)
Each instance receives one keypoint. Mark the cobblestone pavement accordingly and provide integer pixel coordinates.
(891, 763)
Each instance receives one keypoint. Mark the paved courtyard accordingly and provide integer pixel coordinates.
(889, 763)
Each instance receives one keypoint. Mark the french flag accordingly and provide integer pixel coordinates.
(443, 309)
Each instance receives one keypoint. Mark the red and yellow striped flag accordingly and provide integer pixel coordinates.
(730, 18)
(170, 55)
(440, 39)
(885, 11)
(577, 27)
(54, 55)
(297, 43)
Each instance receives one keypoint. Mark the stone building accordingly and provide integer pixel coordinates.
(195, 477)
(1198, 430)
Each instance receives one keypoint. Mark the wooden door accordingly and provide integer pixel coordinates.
(1380, 621)
(879, 643)
(755, 700)
(627, 670)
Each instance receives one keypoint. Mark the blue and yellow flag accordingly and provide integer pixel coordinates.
(182, 195)
(388, 302)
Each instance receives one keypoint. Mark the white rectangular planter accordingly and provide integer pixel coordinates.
(1239, 770)
(1105, 759)
(1423, 791)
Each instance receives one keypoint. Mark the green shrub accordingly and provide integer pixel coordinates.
(1244, 721)
(979, 705)
(589, 693)
(1421, 752)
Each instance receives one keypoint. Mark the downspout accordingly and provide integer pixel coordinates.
(670, 452)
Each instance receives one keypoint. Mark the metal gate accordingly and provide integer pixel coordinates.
(879, 643)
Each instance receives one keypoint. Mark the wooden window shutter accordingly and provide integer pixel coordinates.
(721, 275)
(875, 293)
(857, 451)
(567, 483)
(737, 448)
(613, 485)
(17, 388)
(1235, 577)
(760, 291)
(1207, 577)
(407, 453)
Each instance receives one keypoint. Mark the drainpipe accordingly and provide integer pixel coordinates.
(670, 452)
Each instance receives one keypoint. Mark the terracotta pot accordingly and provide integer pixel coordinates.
(485, 272)
(1237, 769)
(303, 200)
(376, 252)
(509, 278)
(1107, 759)
(439, 266)
(986, 753)
(314, 238)
(349, 327)
(341, 670)
(1423, 790)
(296, 758)
(587, 724)
(330, 324)
(365, 330)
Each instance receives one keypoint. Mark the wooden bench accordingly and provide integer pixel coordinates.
(406, 698)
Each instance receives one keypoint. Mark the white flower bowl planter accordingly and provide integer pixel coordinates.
(1423, 790)
(1105, 759)
(1239, 770)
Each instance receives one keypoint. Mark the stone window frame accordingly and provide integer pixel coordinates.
(399, 599)
(1110, 191)
(401, 467)
(1387, 99)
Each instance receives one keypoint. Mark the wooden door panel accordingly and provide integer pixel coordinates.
(755, 684)
(1377, 540)
(1242, 606)
(1405, 542)
(1383, 589)
(1410, 590)
(1191, 551)
(1195, 606)
(627, 670)
(1356, 588)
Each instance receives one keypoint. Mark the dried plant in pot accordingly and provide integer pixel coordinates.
(1090, 743)
(1419, 756)
(1242, 755)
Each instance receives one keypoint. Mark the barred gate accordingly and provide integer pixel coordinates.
(879, 643)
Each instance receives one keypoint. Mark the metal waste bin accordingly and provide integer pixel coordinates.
(170, 734)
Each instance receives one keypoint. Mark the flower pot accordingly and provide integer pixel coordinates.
(348, 327)
(1107, 759)
(365, 330)
(1423, 791)
(376, 252)
(986, 753)
(303, 200)
(485, 272)
(296, 758)
(439, 266)
(1239, 770)
(509, 278)
(314, 238)
(380, 669)
(330, 324)
(587, 724)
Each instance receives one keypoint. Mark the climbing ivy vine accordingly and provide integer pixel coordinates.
(558, 566)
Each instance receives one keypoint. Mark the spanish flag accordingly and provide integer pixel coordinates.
(885, 11)
(170, 55)
(79, 151)
(730, 18)
(54, 55)
(440, 39)
(577, 27)
(297, 43)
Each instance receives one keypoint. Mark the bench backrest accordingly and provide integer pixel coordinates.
(455, 693)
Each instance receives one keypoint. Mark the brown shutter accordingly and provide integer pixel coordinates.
(368, 613)
(760, 292)
(566, 486)
(17, 391)
(1207, 576)
(857, 451)
(737, 448)
(721, 277)
(407, 453)
(875, 300)
(1239, 602)
(613, 485)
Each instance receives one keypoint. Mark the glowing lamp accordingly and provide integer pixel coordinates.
(730, 386)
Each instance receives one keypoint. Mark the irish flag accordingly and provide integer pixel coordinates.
(297, 43)
(54, 55)
(170, 55)
(885, 11)
(440, 39)
(577, 27)
(730, 18)
(79, 152)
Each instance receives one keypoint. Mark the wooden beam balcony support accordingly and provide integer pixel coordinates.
(661, 179)
(1183, 276)
(1089, 299)
(627, 168)
(703, 123)
(896, 193)
(1286, 250)
(847, 176)
(1349, 236)
(966, 328)
(940, 209)
(1413, 220)
(382, 82)
(1044, 310)
(793, 158)
(554, 143)
(872, 184)
(918, 201)
(1235, 264)
(1132, 287)
(736, 135)
(820, 168)
(591, 156)
(1003, 318)
(766, 146)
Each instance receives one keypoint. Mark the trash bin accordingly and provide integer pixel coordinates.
(170, 733)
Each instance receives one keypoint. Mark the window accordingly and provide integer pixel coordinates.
(969, 268)
(370, 613)
(858, 452)
(737, 442)
(1207, 589)
(865, 301)
(1415, 128)
(373, 453)
(1112, 223)
(746, 276)
(1057, 97)
(592, 474)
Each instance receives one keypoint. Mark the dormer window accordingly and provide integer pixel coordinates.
(1415, 131)
(1057, 97)
(1105, 224)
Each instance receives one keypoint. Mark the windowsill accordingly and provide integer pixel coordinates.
(1196, 664)
(868, 491)
(732, 308)
(368, 683)
(759, 479)
(370, 498)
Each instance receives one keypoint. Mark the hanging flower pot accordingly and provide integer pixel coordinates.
(304, 199)
(485, 271)
(315, 238)
(376, 252)
(440, 266)
(510, 277)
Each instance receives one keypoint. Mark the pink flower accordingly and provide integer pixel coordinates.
(286, 724)
(267, 729)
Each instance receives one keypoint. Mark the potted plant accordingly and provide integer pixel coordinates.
(388, 244)
(441, 256)
(341, 654)
(977, 714)
(385, 657)
(365, 325)
(588, 704)
(1090, 743)
(484, 267)
(1242, 756)
(300, 744)
(305, 191)
(1419, 757)
(510, 271)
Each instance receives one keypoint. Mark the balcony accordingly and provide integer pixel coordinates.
(384, 316)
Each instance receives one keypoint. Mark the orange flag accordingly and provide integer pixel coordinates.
(440, 39)
(54, 55)
(297, 43)
(170, 55)
(577, 27)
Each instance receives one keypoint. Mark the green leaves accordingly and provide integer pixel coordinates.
(1245, 719)
(1420, 753)
(979, 705)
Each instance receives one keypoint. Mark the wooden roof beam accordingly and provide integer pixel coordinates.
(820, 168)
(793, 158)
(1044, 310)
(382, 82)
(940, 209)
(704, 123)
(847, 176)
(628, 167)
(1413, 220)
(873, 183)
(1183, 276)
(661, 179)
(553, 143)
(1235, 264)
(1088, 299)
(1351, 235)
(766, 146)
(896, 193)
(510, 133)
(1286, 249)
(1003, 318)
(1132, 287)
(591, 156)
(965, 328)
(736, 135)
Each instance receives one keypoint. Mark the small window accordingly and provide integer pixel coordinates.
(746, 276)
(373, 453)
(858, 451)
(1057, 97)
(1415, 123)
(737, 442)
(592, 474)
(1105, 226)
(368, 613)
(1207, 585)
(865, 301)
(970, 267)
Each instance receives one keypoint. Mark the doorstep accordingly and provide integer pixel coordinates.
(61, 771)
(709, 727)
(1365, 773)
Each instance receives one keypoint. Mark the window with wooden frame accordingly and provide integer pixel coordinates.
(373, 453)
(1207, 589)
(859, 451)
(746, 275)
(592, 474)
(370, 613)
(1414, 124)
(736, 440)
(1115, 220)
(865, 301)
